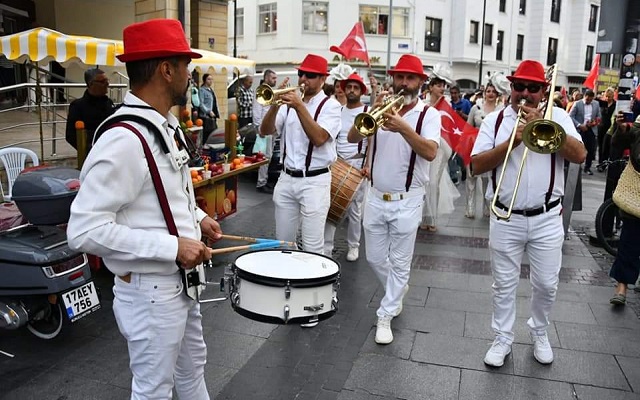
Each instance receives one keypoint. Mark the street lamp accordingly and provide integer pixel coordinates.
(484, 11)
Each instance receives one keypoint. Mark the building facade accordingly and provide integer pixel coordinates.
(279, 33)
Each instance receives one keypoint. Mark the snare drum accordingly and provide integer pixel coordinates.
(284, 286)
(345, 181)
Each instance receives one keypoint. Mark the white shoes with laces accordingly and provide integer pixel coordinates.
(542, 351)
(497, 353)
(383, 330)
(353, 254)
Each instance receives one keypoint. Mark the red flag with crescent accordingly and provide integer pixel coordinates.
(456, 131)
(354, 45)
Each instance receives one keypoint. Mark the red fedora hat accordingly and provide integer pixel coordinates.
(409, 64)
(354, 78)
(529, 70)
(155, 38)
(315, 64)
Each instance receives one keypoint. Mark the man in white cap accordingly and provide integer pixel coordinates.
(145, 236)
(399, 161)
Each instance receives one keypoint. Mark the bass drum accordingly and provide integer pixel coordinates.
(284, 286)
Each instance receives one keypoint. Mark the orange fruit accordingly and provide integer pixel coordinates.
(199, 122)
(189, 123)
(79, 125)
(186, 113)
(194, 180)
(233, 117)
(194, 173)
(231, 196)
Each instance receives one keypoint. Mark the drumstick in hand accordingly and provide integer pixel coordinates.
(257, 240)
(263, 245)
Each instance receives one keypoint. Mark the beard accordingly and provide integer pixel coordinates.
(352, 98)
(180, 99)
(408, 94)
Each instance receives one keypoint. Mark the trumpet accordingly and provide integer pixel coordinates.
(543, 136)
(367, 123)
(266, 95)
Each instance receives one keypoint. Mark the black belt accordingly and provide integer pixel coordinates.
(298, 173)
(531, 212)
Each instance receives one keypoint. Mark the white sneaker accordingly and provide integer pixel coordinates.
(383, 330)
(353, 254)
(405, 290)
(542, 351)
(497, 353)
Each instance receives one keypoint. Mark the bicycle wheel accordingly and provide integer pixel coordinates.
(608, 225)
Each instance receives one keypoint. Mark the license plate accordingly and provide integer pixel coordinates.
(81, 301)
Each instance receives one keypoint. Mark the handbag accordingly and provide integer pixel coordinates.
(627, 193)
(260, 145)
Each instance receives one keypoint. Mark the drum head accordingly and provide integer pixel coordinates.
(276, 267)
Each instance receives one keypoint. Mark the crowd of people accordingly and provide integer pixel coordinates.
(148, 247)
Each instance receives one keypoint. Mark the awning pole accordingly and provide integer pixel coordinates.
(39, 108)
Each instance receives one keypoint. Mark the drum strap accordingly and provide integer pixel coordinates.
(552, 178)
(307, 161)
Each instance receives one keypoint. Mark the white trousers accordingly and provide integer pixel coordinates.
(302, 202)
(542, 237)
(263, 171)
(438, 166)
(163, 329)
(390, 229)
(354, 221)
(471, 184)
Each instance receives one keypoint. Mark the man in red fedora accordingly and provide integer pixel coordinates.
(536, 221)
(353, 88)
(398, 162)
(308, 126)
(119, 215)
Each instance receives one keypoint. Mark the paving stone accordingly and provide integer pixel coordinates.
(479, 326)
(458, 352)
(459, 301)
(594, 393)
(631, 368)
(231, 350)
(430, 320)
(216, 378)
(361, 395)
(599, 339)
(253, 382)
(417, 296)
(437, 279)
(564, 311)
(571, 366)
(477, 385)
(583, 293)
(619, 317)
(388, 376)
(400, 348)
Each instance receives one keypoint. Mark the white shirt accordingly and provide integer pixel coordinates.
(536, 175)
(297, 142)
(587, 112)
(349, 151)
(393, 153)
(116, 214)
(259, 111)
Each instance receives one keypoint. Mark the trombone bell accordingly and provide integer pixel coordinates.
(266, 95)
(544, 136)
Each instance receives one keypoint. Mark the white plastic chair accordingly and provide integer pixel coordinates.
(14, 160)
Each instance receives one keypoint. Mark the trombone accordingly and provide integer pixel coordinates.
(266, 95)
(367, 123)
(543, 136)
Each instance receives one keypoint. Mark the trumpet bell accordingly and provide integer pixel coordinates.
(266, 95)
(365, 124)
(544, 136)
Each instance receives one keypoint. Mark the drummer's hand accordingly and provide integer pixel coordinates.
(365, 172)
(211, 229)
(192, 253)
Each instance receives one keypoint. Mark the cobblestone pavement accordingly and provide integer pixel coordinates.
(439, 340)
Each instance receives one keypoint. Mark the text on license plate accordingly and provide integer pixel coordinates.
(81, 301)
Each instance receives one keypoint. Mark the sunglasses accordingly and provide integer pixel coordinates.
(532, 87)
(309, 75)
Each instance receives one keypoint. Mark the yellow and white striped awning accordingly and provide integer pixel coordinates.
(44, 45)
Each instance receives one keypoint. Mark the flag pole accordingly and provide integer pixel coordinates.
(389, 35)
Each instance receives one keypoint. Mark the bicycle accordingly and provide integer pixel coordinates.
(608, 223)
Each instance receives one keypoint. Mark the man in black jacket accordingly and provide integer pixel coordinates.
(92, 108)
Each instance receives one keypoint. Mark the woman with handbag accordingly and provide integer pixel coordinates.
(208, 110)
(626, 267)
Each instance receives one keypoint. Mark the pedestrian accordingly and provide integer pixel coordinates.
(259, 111)
(353, 88)
(92, 108)
(536, 223)
(586, 118)
(117, 215)
(399, 163)
(308, 126)
(245, 101)
(208, 109)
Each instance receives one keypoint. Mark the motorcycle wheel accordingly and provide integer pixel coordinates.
(49, 326)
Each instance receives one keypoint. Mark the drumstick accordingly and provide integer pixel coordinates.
(257, 246)
(6, 354)
(257, 240)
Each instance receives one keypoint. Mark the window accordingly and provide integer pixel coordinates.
(473, 36)
(432, 34)
(315, 15)
(503, 5)
(555, 10)
(523, 7)
(376, 20)
(593, 18)
(268, 18)
(617, 59)
(499, 45)
(239, 24)
(588, 58)
(605, 60)
(552, 51)
(519, 47)
(488, 34)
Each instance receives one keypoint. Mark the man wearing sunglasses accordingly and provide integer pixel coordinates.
(308, 126)
(536, 223)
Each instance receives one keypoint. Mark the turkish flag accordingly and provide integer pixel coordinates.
(590, 82)
(354, 45)
(456, 131)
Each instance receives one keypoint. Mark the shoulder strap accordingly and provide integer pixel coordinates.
(495, 135)
(360, 142)
(307, 161)
(115, 121)
(412, 160)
